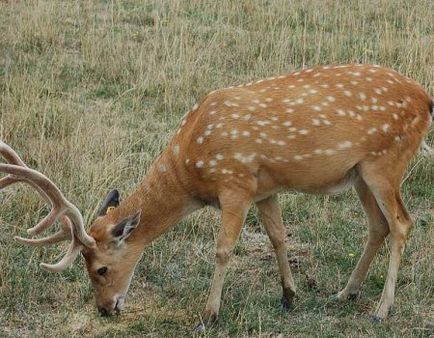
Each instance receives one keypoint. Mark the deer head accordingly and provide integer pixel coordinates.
(110, 258)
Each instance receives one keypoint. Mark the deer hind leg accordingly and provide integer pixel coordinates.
(234, 208)
(378, 229)
(271, 216)
(385, 188)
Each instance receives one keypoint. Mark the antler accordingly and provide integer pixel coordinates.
(70, 217)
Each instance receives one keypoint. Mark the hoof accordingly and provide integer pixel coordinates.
(208, 320)
(200, 328)
(353, 296)
(350, 296)
(376, 319)
(287, 305)
(287, 299)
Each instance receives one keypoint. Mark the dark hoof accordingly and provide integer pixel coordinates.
(199, 328)
(208, 320)
(376, 320)
(353, 296)
(287, 304)
(287, 299)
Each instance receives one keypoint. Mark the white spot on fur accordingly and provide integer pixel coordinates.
(299, 101)
(199, 164)
(329, 151)
(245, 158)
(247, 117)
(345, 145)
(378, 91)
(175, 150)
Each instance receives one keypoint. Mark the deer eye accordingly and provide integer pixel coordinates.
(101, 271)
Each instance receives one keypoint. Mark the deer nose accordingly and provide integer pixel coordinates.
(103, 311)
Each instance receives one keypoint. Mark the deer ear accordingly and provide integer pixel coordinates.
(109, 203)
(123, 229)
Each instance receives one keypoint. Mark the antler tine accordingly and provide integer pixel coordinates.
(8, 180)
(65, 233)
(72, 253)
(59, 236)
(13, 158)
(10, 155)
(61, 206)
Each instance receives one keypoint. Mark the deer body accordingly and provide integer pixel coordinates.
(320, 130)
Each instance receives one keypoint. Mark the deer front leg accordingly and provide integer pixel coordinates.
(234, 210)
(271, 216)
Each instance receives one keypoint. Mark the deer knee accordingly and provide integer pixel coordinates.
(278, 243)
(223, 255)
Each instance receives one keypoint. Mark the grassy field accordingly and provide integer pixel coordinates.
(90, 92)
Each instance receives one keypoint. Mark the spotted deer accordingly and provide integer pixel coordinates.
(320, 130)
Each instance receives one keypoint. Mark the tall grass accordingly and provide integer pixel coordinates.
(90, 92)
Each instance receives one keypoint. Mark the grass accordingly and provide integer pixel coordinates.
(90, 93)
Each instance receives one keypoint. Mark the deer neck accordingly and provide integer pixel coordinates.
(162, 200)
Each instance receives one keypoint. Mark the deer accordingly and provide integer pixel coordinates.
(319, 130)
